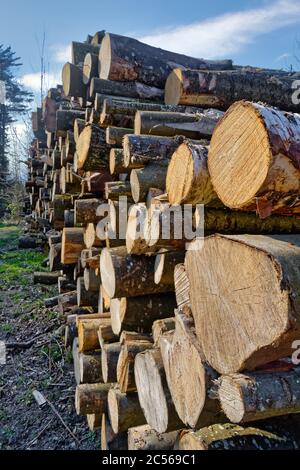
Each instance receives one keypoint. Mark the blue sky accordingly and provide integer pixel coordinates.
(257, 32)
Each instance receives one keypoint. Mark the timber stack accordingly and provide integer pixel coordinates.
(168, 189)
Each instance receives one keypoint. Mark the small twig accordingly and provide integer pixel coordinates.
(40, 433)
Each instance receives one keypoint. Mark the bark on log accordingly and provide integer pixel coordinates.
(46, 278)
(116, 162)
(106, 334)
(90, 368)
(95, 180)
(72, 245)
(125, 368)
(26, 242)
(55, 257)
(72, 80)
(85, 211)
(65, 119)
(91, 280)
(127, 89)
(139, 313)
(79, 125)
(94, 422)
(86, 298)
(75, 356)
(262, 167)
(65, 284)
(91, 398)
(92, 149)
(124, 410)
(193, 126)
(109, 361)
(267, 279)
(114, 135)
(160, 327)
(127, 59)
(154, 394)
(259, 395)
(67, 301)
(164, 267)
(145, 438)
(141, 180)
(110, 440)
(60, 204)
(80, 49)
(127, 276)
(115, 189)
(222, 88)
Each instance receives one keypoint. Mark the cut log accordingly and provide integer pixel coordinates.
(88, 334)
(139, 313)
(60, 204)
(80, 49)
(27, 242)
(92, 149)
(72, 81)
(182, 286)
(97, 38)
(124, 58)
(65, 119)
(154, 395)
(124, 410)
(94, 422)
(259, 395)
(91, 398)
(86, 298)
(46, 278)
(153, 175)
(188, 180)
(72, 245)
(193, 126)
(222, 88)
(55, 257)
(190, 379)
(127, 276)
(90, 368)
(105, 333)
(232, 325)
(79, 125)
(91, 280)
(160, 327)
(126, 89)
(233, 437)
(75, 356)
(109, 360)
(116, 162)
(115, 189)
(145, 438)
(110, 440)
(125, 368)
(114, 135)
(67, 301)
(65, 284)
(136, 227)
(90, 67)
(164, 267)
(257, 165)
(90, 237)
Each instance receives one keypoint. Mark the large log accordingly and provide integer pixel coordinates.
(90, 67)
(90, 367)
(259, 395)
(145, 438)
(91, 398)
(130, 348)
(80, 49)
(127, 276)
(91, 280)
(110, 440)
(164, 267)
(92, 149)
(154, 394)
(55, 257)
(46, 278)
(188, 180)
(65, 119)
(127, 89)
(124, 58)
(86, 298)
(72, 81)
(114, 135)
(109, 361)
(233, 437)
(222, 88)
(234, 281)
(143, 179)
(124, 410)
(254, 161)
(139, 313)
(86, 211)
(71, 245)
(164, 123)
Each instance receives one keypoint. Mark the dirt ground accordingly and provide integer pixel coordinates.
(42, 363)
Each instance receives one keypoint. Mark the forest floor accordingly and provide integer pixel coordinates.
(44, 365)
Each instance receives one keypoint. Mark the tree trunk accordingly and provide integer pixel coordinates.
(145, 438)
(221, 89)
(116, 162)
(90, 237)
(267, 280)
(90, 368)
(127, 59)
(95, 180)
(154, 394)
(46, 278)
(91, 398)
(92, 149)
(267, 178)
(109, 360)
(124, 410)
(127, 276)
(106, 334)
(171, 124)
(164, 267)
(141, 180)
(139, 313)
(126, 88)
(114, 135)
(260, 395)
(72, 245)
(60, 204)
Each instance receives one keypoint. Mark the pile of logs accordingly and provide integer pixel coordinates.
(178, 341)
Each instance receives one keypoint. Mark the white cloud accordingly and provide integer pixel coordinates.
(221, 36)
(33, 80)
(61, 53)
(284, 56)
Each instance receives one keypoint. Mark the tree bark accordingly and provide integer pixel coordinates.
(127, 59)
(110, 440)
(267, 279)
(92, 149)
(86, 298)
(65, 119)
(125, 368)
(72, 80)
(145, 438)
(91, 280)
(90, 368)
(85, 211)
(94, 422)
(55, 257)
(80, 49)
(115, 135)
(91, 398)
(266, 179)
(164, 267)
(109, 360)
(115, 189)
(124, 411)
(141, 180)
(127, 89)
(46, 278)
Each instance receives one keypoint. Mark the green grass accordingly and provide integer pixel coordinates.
(9, 235)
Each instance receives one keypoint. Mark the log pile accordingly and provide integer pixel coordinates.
(174, 236)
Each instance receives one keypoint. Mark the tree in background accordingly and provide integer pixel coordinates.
(14, 101)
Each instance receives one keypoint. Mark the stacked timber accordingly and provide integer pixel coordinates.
(174, 242)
